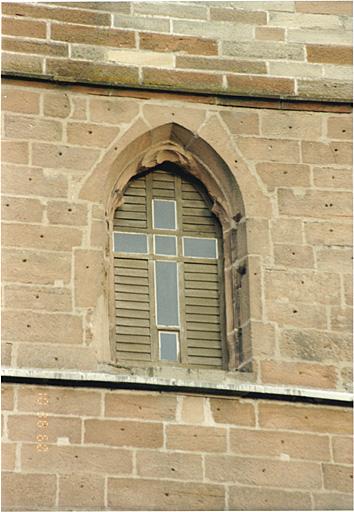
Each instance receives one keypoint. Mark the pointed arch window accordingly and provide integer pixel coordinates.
(168, 274)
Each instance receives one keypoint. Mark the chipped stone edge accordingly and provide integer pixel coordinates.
(103, 377)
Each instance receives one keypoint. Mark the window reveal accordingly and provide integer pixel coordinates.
(168, 274)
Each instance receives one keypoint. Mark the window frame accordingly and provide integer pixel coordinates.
(152, 257)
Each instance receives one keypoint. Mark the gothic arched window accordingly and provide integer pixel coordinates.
(168, 274)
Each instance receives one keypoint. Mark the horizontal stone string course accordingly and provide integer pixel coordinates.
(100, 444)
(287, 49)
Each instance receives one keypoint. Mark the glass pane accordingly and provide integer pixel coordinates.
(168, 346)
(199, 247)
(128, 242)
(165, 245)
(166, 293)
(164, 214)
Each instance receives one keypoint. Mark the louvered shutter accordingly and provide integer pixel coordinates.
(131, 281)
(200, 278)
(202, 283)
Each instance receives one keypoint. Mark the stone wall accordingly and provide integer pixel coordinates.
(113, 450)
(65, 142)
(62, 145)
(278, 49)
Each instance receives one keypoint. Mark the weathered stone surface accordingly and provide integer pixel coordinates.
(316, 346)
(81, 490)
(274, 444)
(192, 438)
(38, 297)
(28, 326)
(320, 204)
(328, 233)
(231, 411)
(305, 418)
(307, 287)
(338, 478)
(253, 498)
(59, 400)
(77, 459)
(37, 490)
(180, 466)
(31, 267)
(151, 494)
(124, 433)
(299, 374)
(263, 472)
(142, 405)
(27, 427)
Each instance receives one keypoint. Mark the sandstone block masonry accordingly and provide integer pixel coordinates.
(287, 49)
(293, 170)
(104, 451)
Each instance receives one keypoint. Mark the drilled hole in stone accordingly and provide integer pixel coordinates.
(29, 179)
(331, 230)
(87, 266)
(122, 429)
(70, 210)
(293, 253)
(24, 261)
(115, 149)
(332, 177)
(285, 172)
(173, 469)
(335, 149)
(41, 236)
(294, 310)
(7, 204)
(236, 161)
(290, 127)
(28, 325)
(344, 131)
(167, 494)
(263, 470)
(60, 153)
(56, 359)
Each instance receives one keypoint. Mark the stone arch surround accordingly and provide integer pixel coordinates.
(232, 188)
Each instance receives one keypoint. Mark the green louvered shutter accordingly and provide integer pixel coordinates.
(200, 330)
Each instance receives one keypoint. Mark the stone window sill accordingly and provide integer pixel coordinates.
(197, 381)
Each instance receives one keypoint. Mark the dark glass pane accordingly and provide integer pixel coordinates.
(168, 346)
(165, 245)
(164, 214)
(127, 242)
(166, 293)
(200, 247)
